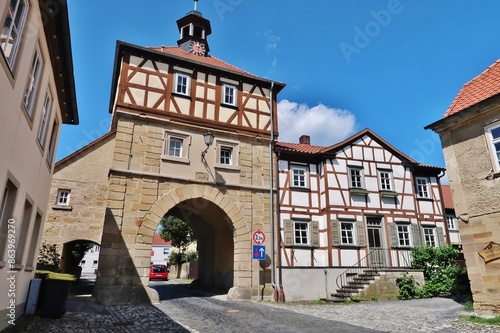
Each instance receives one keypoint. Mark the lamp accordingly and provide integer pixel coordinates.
(209, 139)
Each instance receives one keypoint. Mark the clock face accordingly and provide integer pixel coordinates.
(197, 48)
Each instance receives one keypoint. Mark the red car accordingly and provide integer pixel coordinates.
(158, 271)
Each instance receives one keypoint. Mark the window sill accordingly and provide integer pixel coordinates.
(424, 199)
(29, 268)
(2, 263)
(358, 191)
(181, 95)
(61, 207)
(230, 106)
(303, 189)
(182, 160)
(301, 246)
(17, 267)
(228, 167)
(350, 246)
(390, 194)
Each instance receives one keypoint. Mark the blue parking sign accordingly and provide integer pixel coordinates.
(259, 252)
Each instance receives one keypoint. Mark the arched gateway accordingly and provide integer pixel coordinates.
(192, 138)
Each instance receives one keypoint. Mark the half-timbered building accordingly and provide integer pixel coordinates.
(360, 202)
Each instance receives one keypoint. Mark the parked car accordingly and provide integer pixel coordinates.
(158, 271)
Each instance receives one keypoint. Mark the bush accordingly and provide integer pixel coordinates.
(408, 288)
(48, 255)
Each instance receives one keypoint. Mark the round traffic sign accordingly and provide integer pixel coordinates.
(259, 237)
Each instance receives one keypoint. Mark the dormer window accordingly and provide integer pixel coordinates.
(192, 30)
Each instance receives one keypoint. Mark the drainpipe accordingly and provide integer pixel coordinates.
(443, 208)
(271, 193)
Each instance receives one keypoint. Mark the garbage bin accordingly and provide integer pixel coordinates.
(41, 274)
(57, 286)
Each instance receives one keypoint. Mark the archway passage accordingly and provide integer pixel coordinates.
(215, 243)
(72, 254)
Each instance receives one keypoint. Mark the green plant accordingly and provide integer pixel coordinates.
(476, 319)
(78, 250)
(374, 298)
(48, 255)
(318, 302)
(469, 306)
(408, 288)
(355, 299)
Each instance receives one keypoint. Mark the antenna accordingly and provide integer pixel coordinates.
(195, 2)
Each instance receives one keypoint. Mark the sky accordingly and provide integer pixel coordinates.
(393, 66)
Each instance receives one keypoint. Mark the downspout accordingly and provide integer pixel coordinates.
(271, 193)
(444, 208)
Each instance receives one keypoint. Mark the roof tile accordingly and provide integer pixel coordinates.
(447, 197)
(482, 87)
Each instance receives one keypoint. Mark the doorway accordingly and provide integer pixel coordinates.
(377, 255)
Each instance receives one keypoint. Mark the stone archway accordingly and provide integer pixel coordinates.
(199, 193)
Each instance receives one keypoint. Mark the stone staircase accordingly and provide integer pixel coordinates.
(358, 282)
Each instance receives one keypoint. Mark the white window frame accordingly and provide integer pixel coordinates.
(422, 187)
(165, 251)
(226, 155)
(30, 92)
(44, 122)
(301, 234)
(404, 234)
(348, 233)
(175, 147)
(235, 153)
(63, 197)
(430, 236)
(52, 144)
(385, 183)
(15, 15)
(451, 220)
(356, 183)
(95, 263)
(83, 263)
(186, 142)
(299, 175)
(494, 141)
(182, 88)
(229, 94)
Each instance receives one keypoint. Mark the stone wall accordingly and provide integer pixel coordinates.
(385, 286)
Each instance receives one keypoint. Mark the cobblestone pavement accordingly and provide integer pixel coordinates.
(183, 310)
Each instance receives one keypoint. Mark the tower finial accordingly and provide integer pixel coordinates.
(195, 2)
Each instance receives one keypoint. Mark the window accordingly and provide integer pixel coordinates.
(429, 236)
(299, 176)
(165, 250)
(182, 82)
(493, 134)
(32, 84)
(225, 155)
(347, 233)
(229, 94)
(13, 29)
(94, 263)
(42, 131)
(356, 177)
(422, 185)
(301, 231)
(175, 147)
(63, 197)
(23, 234)
(452, 222)
(52, 145)
(8, 203)
(385, 180)
(83, 263)
(403, 234)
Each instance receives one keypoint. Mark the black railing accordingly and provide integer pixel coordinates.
(375, 260)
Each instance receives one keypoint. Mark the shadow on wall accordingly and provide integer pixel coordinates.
(118, 279)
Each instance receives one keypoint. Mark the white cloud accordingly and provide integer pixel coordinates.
(326, 126)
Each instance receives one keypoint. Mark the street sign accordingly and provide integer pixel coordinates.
(259, 252)
(259, 237)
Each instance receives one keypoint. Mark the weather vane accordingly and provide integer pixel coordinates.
(195, 2)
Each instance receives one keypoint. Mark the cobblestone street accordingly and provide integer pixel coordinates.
(184, 310)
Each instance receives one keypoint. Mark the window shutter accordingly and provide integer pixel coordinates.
(415, 233)
(314, 233)
(335, 233)
(288, 233)
(440, 235)
(393, 233)
(360, 231)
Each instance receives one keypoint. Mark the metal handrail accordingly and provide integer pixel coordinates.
(352, 272)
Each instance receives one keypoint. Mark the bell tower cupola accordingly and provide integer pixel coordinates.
(194, 29)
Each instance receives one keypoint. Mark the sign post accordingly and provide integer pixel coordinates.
(259, 251)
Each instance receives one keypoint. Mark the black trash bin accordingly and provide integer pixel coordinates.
(57, 286)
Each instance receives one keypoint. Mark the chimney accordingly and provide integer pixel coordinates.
(305, 139)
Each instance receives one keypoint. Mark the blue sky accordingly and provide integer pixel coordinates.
(393, 66)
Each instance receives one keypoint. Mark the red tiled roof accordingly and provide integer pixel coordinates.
(447, 197)
(299, 147)
(482, 87)
(208, 60)
(157, 240)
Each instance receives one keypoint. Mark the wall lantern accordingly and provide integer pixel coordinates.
(209, 139)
